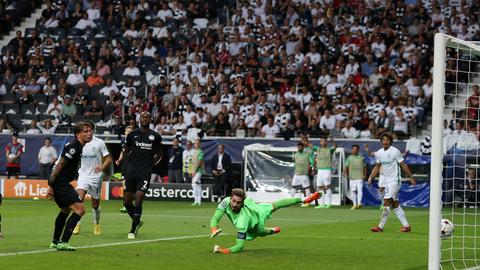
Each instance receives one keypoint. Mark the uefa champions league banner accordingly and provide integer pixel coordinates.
(164, 192)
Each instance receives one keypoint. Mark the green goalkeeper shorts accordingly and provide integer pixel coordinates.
(264, 211)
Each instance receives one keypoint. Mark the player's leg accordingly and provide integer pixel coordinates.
(197, 188)
(328, 190)
(78, 210)
(387, 203)
(359, 193)
(353, 191)
(293, 201)
(128, 192)
(399, 211)
(137, 214)
(95, 192)
(59, 226)
(82, 192)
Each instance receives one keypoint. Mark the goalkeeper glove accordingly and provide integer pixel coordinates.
(215, 231)
(219, 249)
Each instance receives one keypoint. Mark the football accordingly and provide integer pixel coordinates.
(446, 228)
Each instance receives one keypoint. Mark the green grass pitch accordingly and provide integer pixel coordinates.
(176, 236)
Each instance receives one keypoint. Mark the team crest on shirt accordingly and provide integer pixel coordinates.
(72, 151)
(151, 137)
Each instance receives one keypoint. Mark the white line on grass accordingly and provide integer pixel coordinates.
(352, 237)
(107, 244)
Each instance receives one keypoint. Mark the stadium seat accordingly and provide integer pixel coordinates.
(77, 118)
(43, 117)
(200, 23)
(41, 109)
(63, 130)
(11, 108)
(40, 99)
(9, 98)
(27, 108)
(95, 119)
(15, 119)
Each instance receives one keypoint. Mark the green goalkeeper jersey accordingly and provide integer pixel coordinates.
(355, 164)
(302, 163)
(251, 218)
(324, 158)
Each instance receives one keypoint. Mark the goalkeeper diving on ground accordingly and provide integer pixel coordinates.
(249, 217)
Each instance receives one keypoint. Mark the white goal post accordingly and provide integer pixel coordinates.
(462, 59)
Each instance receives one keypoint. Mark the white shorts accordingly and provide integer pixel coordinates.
(92, 188)
(381, 181)
(197, 178)
(356, 185)
(391, 190)
(324, 178)
(300, 180)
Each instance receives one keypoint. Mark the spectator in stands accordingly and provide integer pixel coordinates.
(174, 157)
(46, 126)
(25, 98)
(382, 123)
(327, 122)
(47, 155)
(69, 110)
(85, 22)
(163, 127)
(131, 69)
(349, 131)
(33, 129)
(271, 129)
(75, 77)
(94, 79)
(128, 90)
(54, 108)
(337, 132)
(208, 125)
(251, 121)
(400, 125)
(179, 126)
(222, 126)
(109, 88)
(95, 111)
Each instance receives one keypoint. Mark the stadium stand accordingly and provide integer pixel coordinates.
(344, 68)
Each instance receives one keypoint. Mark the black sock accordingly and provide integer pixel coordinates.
(59, 225)
(71, 223)
(130, 209)
(137, 213)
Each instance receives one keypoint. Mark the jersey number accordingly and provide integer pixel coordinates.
(145, 183)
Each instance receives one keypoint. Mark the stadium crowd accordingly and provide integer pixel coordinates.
(266, 68)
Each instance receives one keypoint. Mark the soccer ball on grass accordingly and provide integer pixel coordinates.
(446, 228)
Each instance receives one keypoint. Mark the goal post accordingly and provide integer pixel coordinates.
(454, 171)
(436, 166)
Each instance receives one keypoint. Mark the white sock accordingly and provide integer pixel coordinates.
(401, 216)
(328, 197)
(199, 194)
(384, 217)
(96, 215)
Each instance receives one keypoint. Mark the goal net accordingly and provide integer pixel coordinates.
(455, 195)
(268, 172)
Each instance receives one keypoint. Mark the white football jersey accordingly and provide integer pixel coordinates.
(92, 155)
(390, 160)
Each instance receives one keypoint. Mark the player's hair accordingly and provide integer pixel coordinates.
(48, 139)
(90, 122)
(388, 135)
(299, 144)
(79, 127)
(356, 145)
(239, 193)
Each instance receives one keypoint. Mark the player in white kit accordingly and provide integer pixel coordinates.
(96, 159)
(381, 178)
(391, 159)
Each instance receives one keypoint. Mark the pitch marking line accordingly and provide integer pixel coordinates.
(107, 245)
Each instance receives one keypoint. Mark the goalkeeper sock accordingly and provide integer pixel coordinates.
(96, 215)
(130, 209)
(383, 219)
(136, 218)
(286, 203)
(59, 226)
(71, 223)
(401, 216)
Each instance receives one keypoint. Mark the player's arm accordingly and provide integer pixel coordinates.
(120, 158)
(217, 216)
(374, 173)
(106, 162)
(240, 243)
(407, 170)
(345, 170)
(56, 170)
(334, 145)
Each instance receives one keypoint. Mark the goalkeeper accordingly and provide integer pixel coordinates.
(249, 217)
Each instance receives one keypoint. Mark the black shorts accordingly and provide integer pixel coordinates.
(137, 182)
(65, 195)
(13, 171)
